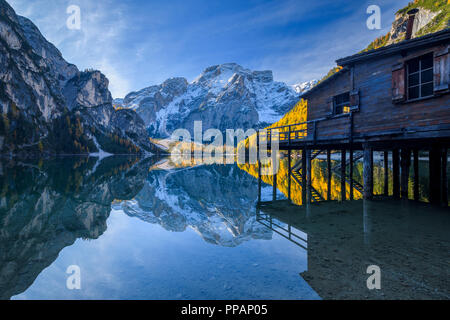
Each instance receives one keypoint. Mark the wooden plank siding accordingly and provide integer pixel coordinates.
(377, 113)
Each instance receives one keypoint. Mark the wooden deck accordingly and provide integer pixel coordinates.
(316, 134)
(404, 145)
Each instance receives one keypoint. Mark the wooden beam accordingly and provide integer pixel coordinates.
(351, 173)
(259, 166)
(274, 195)
(259, 183)
(304, 176)
(396, 173)
(368, 172)
(343, 174)
(444, 179)
(289, 173)
(386, 173)
(405, 165)
(308, 176)
(329, 174)
(435, 175)
(416, 174)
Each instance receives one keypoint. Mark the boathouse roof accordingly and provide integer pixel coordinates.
(429, 39)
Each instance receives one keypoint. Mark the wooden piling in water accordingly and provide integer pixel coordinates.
(416, 174)
(351, 173)
(396, 173)
(308, 176)
(386, 173)
(343, 174)
(274, 195)
(289, 174)
(303, 176)
(444, 180)
(259, 166)
(329, 174)
(435, 175)
(405, 165)
(368, 172)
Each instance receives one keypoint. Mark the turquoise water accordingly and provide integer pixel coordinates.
(139, 232)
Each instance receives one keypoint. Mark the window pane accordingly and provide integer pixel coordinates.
(427, 76)
(427, 61)
(413, 93)
(413, 80)
(346, 97)
(346, 109)
(340, 102)
(427, 90)
(413, 65)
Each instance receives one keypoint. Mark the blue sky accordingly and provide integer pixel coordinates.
(141, 43)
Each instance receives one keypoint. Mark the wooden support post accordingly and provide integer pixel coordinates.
(259, 166)
(274, 195)
(289, 136)
(416, 174)
(405, 165)
(396, 173)
(343, 174)
(303, 176)
(289, 173)
(259, 184)
(308, 176)
(368, 172)
(351, 173)
(435, 173)
(386, 173)
(444, 186)
(329, 174)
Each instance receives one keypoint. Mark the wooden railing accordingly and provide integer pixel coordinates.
(307, 130)
(290, 133)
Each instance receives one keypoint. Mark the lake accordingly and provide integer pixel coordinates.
(144, 229)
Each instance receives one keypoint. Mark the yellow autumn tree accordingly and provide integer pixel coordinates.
(297, 115)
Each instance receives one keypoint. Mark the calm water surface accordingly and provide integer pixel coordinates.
(139, 231)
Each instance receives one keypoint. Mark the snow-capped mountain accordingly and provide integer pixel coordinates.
(303, 87)
(225, 96)
(215, 201)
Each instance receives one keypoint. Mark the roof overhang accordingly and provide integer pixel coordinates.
(427, 40)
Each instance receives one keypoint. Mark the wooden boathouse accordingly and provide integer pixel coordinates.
(394, 100)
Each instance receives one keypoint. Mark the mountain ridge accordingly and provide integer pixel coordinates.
(48, 106)
(226, 96)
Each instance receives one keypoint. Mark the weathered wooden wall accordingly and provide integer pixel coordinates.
(377, 113)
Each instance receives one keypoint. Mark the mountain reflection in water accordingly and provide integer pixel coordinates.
(198, 233)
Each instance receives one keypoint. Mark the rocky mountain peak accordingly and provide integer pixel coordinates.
(48, 106)
(226, 96)
(87, 89)
(176, 86)
(263, 76)
(60, 68)
(303, 87)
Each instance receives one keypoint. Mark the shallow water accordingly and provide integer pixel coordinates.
(138, 232)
